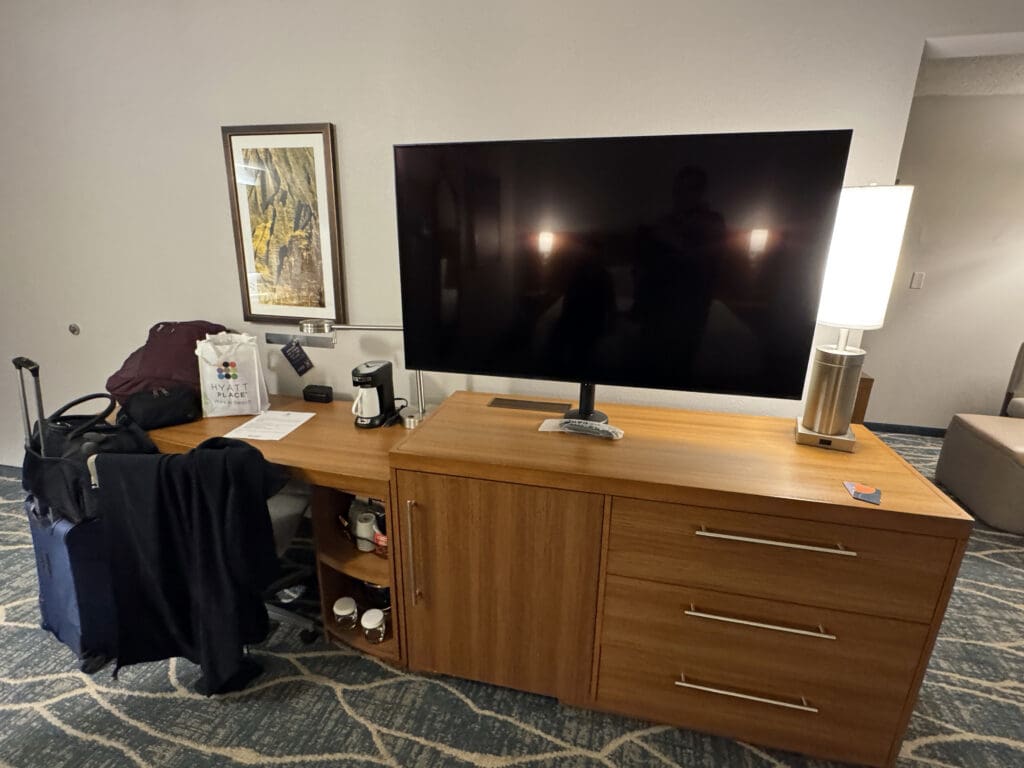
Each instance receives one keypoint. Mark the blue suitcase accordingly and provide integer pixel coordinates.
(76, 602)
(75, 598)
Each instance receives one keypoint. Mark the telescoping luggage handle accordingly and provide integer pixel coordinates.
(23, 364)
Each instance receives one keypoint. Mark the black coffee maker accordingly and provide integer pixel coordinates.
(374, 405)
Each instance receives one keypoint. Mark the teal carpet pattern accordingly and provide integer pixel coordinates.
(321, 706)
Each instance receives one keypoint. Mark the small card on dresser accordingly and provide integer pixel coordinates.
(863, 492)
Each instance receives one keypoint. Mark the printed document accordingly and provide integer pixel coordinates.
(270, 425)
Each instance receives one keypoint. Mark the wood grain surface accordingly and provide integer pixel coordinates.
(673, 474)
(709, 459)
(328, 450)
(563, 564)
(857, 681)
(892, 574)
(506, 582)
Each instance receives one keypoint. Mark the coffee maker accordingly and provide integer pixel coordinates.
(374, 405)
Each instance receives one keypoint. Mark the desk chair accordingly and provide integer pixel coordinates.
(287, 510)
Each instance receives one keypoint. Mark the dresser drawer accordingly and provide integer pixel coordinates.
(795, 677)
(865, 570)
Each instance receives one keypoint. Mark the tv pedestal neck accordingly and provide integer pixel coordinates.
(586, 410)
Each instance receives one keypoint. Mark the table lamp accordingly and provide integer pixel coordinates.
(862, 258)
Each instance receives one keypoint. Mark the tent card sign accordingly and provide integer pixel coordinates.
(297, 357)
(230, 375)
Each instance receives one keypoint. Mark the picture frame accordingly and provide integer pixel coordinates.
(284, 214)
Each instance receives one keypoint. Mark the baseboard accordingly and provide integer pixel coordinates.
(905, 429)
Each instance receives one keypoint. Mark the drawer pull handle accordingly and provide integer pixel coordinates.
(836, 550)
(820, 632)
(803, 706)
(414, 588)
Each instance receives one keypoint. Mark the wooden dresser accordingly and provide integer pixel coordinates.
(703, 571)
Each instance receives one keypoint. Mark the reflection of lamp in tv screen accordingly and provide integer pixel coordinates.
(663, 278)
(758, 242)
(545, 243)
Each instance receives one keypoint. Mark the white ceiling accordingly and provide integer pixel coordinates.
(974, 76)
(959, 46)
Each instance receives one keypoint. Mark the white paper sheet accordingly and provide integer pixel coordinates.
(270, 425)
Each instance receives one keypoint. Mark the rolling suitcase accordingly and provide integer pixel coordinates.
(75, 597)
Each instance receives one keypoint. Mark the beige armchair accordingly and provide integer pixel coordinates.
(982, 459)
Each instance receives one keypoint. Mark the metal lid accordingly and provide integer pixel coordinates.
(372, 619)
(829, 354)
(344, 606)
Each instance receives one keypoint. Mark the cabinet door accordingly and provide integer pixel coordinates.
(501, 581)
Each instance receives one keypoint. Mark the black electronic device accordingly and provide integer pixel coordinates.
(673, 262)
(374, 405)
(317, 393)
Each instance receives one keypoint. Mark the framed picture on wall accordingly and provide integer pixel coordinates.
(285, 217)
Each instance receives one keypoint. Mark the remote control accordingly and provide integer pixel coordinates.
(582, 427)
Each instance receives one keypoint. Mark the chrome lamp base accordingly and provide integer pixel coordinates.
(804, 436)
(835, 375)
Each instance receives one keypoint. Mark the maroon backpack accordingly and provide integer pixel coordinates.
(167, 360)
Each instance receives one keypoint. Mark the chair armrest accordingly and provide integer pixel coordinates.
(1015, 387)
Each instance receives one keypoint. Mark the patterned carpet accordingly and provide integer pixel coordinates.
(323, 707)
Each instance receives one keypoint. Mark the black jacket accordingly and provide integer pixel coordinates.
(191, 551)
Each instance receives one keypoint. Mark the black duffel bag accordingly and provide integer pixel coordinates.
(56, 467)
(161, 407)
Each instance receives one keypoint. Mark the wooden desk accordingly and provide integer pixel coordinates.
(704, 571)
(339, 461)
(328, 450)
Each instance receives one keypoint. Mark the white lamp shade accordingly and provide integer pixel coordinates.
(862, 259)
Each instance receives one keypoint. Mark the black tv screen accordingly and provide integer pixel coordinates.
(672, 262)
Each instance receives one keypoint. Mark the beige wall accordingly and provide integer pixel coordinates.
(113, 201)
(949, 347)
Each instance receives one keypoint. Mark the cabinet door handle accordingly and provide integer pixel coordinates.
(803, 706)
(416, 594)
(838, 549)
(820, 632)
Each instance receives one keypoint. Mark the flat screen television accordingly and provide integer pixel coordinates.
(691, 262)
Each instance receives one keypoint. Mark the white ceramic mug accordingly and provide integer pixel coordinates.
(364, 532)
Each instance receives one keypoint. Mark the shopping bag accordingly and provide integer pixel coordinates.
(230, 375)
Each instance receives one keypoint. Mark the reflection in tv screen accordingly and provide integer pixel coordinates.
(673, 262)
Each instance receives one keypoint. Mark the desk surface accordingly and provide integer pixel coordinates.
(327, 450)
(694, 457)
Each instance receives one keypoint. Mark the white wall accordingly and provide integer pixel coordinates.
(113, 199)
(949, 347)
